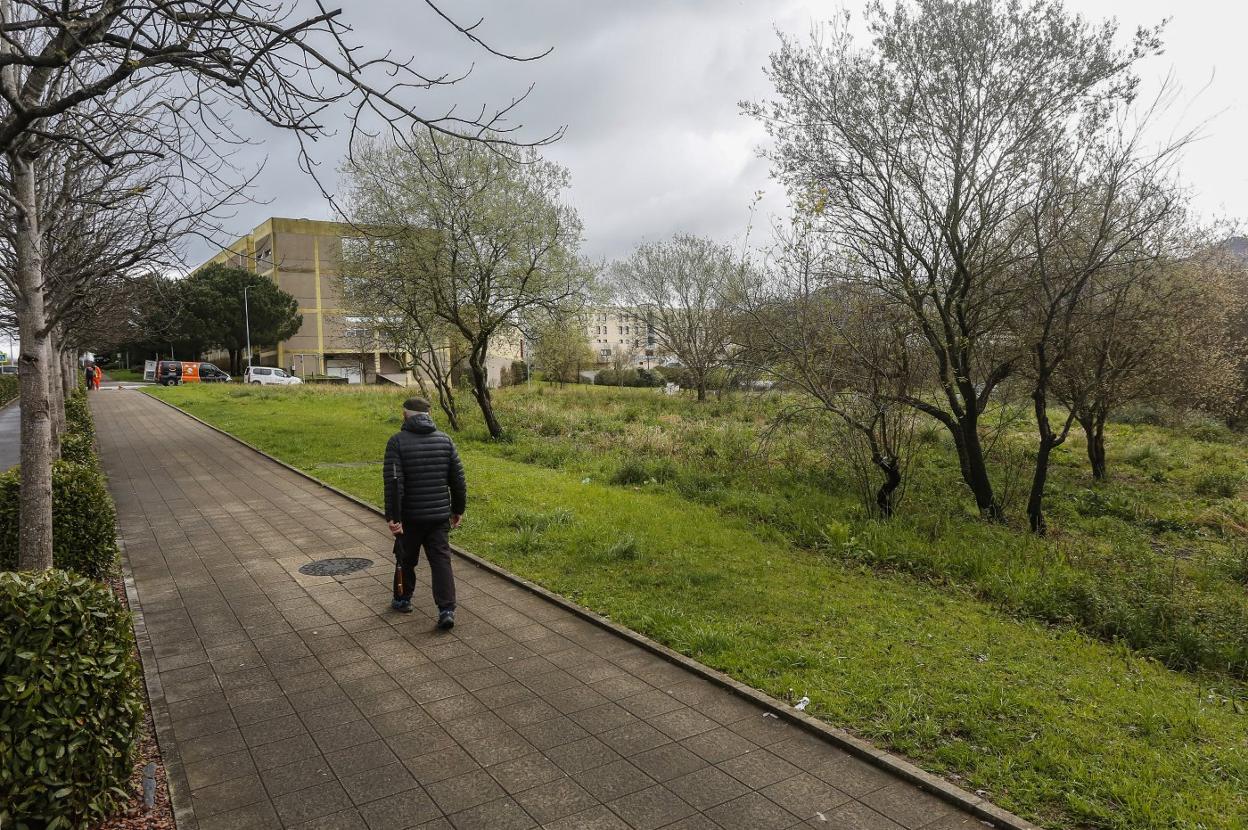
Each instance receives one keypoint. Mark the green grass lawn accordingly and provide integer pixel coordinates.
(1062, 728)
(125, 375)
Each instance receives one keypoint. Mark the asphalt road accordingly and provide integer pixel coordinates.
(10, 436)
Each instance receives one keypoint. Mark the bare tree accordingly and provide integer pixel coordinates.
(1152, 332)
(158, 79)
(392, 303)
(485, 241)
(921, 154)
(680, 287)
(845, 347)
(1109, 206)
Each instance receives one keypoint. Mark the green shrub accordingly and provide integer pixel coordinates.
(9, 388)
(624, 549)
(78, 419)
(541, 522)
(1145, 455)
(1218, 485)
(1212, 431)
(70, 700)
(77, 448)
(84, 521)
(635, 471)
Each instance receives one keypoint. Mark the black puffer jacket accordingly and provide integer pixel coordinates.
(422, 474)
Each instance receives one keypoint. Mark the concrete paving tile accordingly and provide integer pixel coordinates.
(614, 780)
(805, 796)
(751, 812)
(344, 820)
(582, 755)
(227, 795)
(524, 772)
(907, 806)
(308, 771)
(500, 814)
(707, 787)
(666, 762)
(651, 808)
(219, 768)
(855, 815)
(461, 792)
(595, 818)
(409, 808)
(370, 784)
(312, 803)
(555, 800)
(718, 744)
(758, 769)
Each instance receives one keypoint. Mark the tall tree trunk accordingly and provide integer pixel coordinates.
(56, 395)
(1094, 430)
(481, 391)
(35, 517)
(701, 389)
(236, 361)
(885, 496)
(975, 467)
(69, 373)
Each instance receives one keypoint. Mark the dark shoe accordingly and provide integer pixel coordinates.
(403, 606)
(446, 620)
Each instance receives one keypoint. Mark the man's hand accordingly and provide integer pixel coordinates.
(395, 527)
(456, 519)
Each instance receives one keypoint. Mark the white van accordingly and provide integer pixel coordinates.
(269, 376)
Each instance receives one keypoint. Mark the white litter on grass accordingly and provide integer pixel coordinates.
(585, 480)
(802, 704)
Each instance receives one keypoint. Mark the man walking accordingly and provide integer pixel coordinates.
(425, 498)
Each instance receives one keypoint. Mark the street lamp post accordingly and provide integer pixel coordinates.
(247, 323)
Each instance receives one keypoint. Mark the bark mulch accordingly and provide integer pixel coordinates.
(134, 815)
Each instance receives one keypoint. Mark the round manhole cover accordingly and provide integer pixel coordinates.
(335, 567)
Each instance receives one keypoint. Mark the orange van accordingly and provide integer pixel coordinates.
(173, 372)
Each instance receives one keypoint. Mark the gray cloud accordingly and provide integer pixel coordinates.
(648, 91)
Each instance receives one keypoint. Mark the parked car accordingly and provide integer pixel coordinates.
(269, 376)
(173, 372)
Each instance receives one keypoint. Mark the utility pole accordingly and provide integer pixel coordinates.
(247, 323)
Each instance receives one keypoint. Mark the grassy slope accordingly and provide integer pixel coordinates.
(1059, 728)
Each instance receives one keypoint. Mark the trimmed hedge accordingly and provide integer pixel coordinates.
(71, 705)
(8, 388)
(78, 420)
(84, 521)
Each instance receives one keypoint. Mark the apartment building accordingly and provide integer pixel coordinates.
(611, 331)
(304, 256)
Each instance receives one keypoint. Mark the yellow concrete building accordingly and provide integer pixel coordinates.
(303, 256)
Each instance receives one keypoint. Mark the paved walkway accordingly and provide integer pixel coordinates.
(295, 701)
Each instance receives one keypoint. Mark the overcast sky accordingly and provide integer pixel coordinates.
(648, 92)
